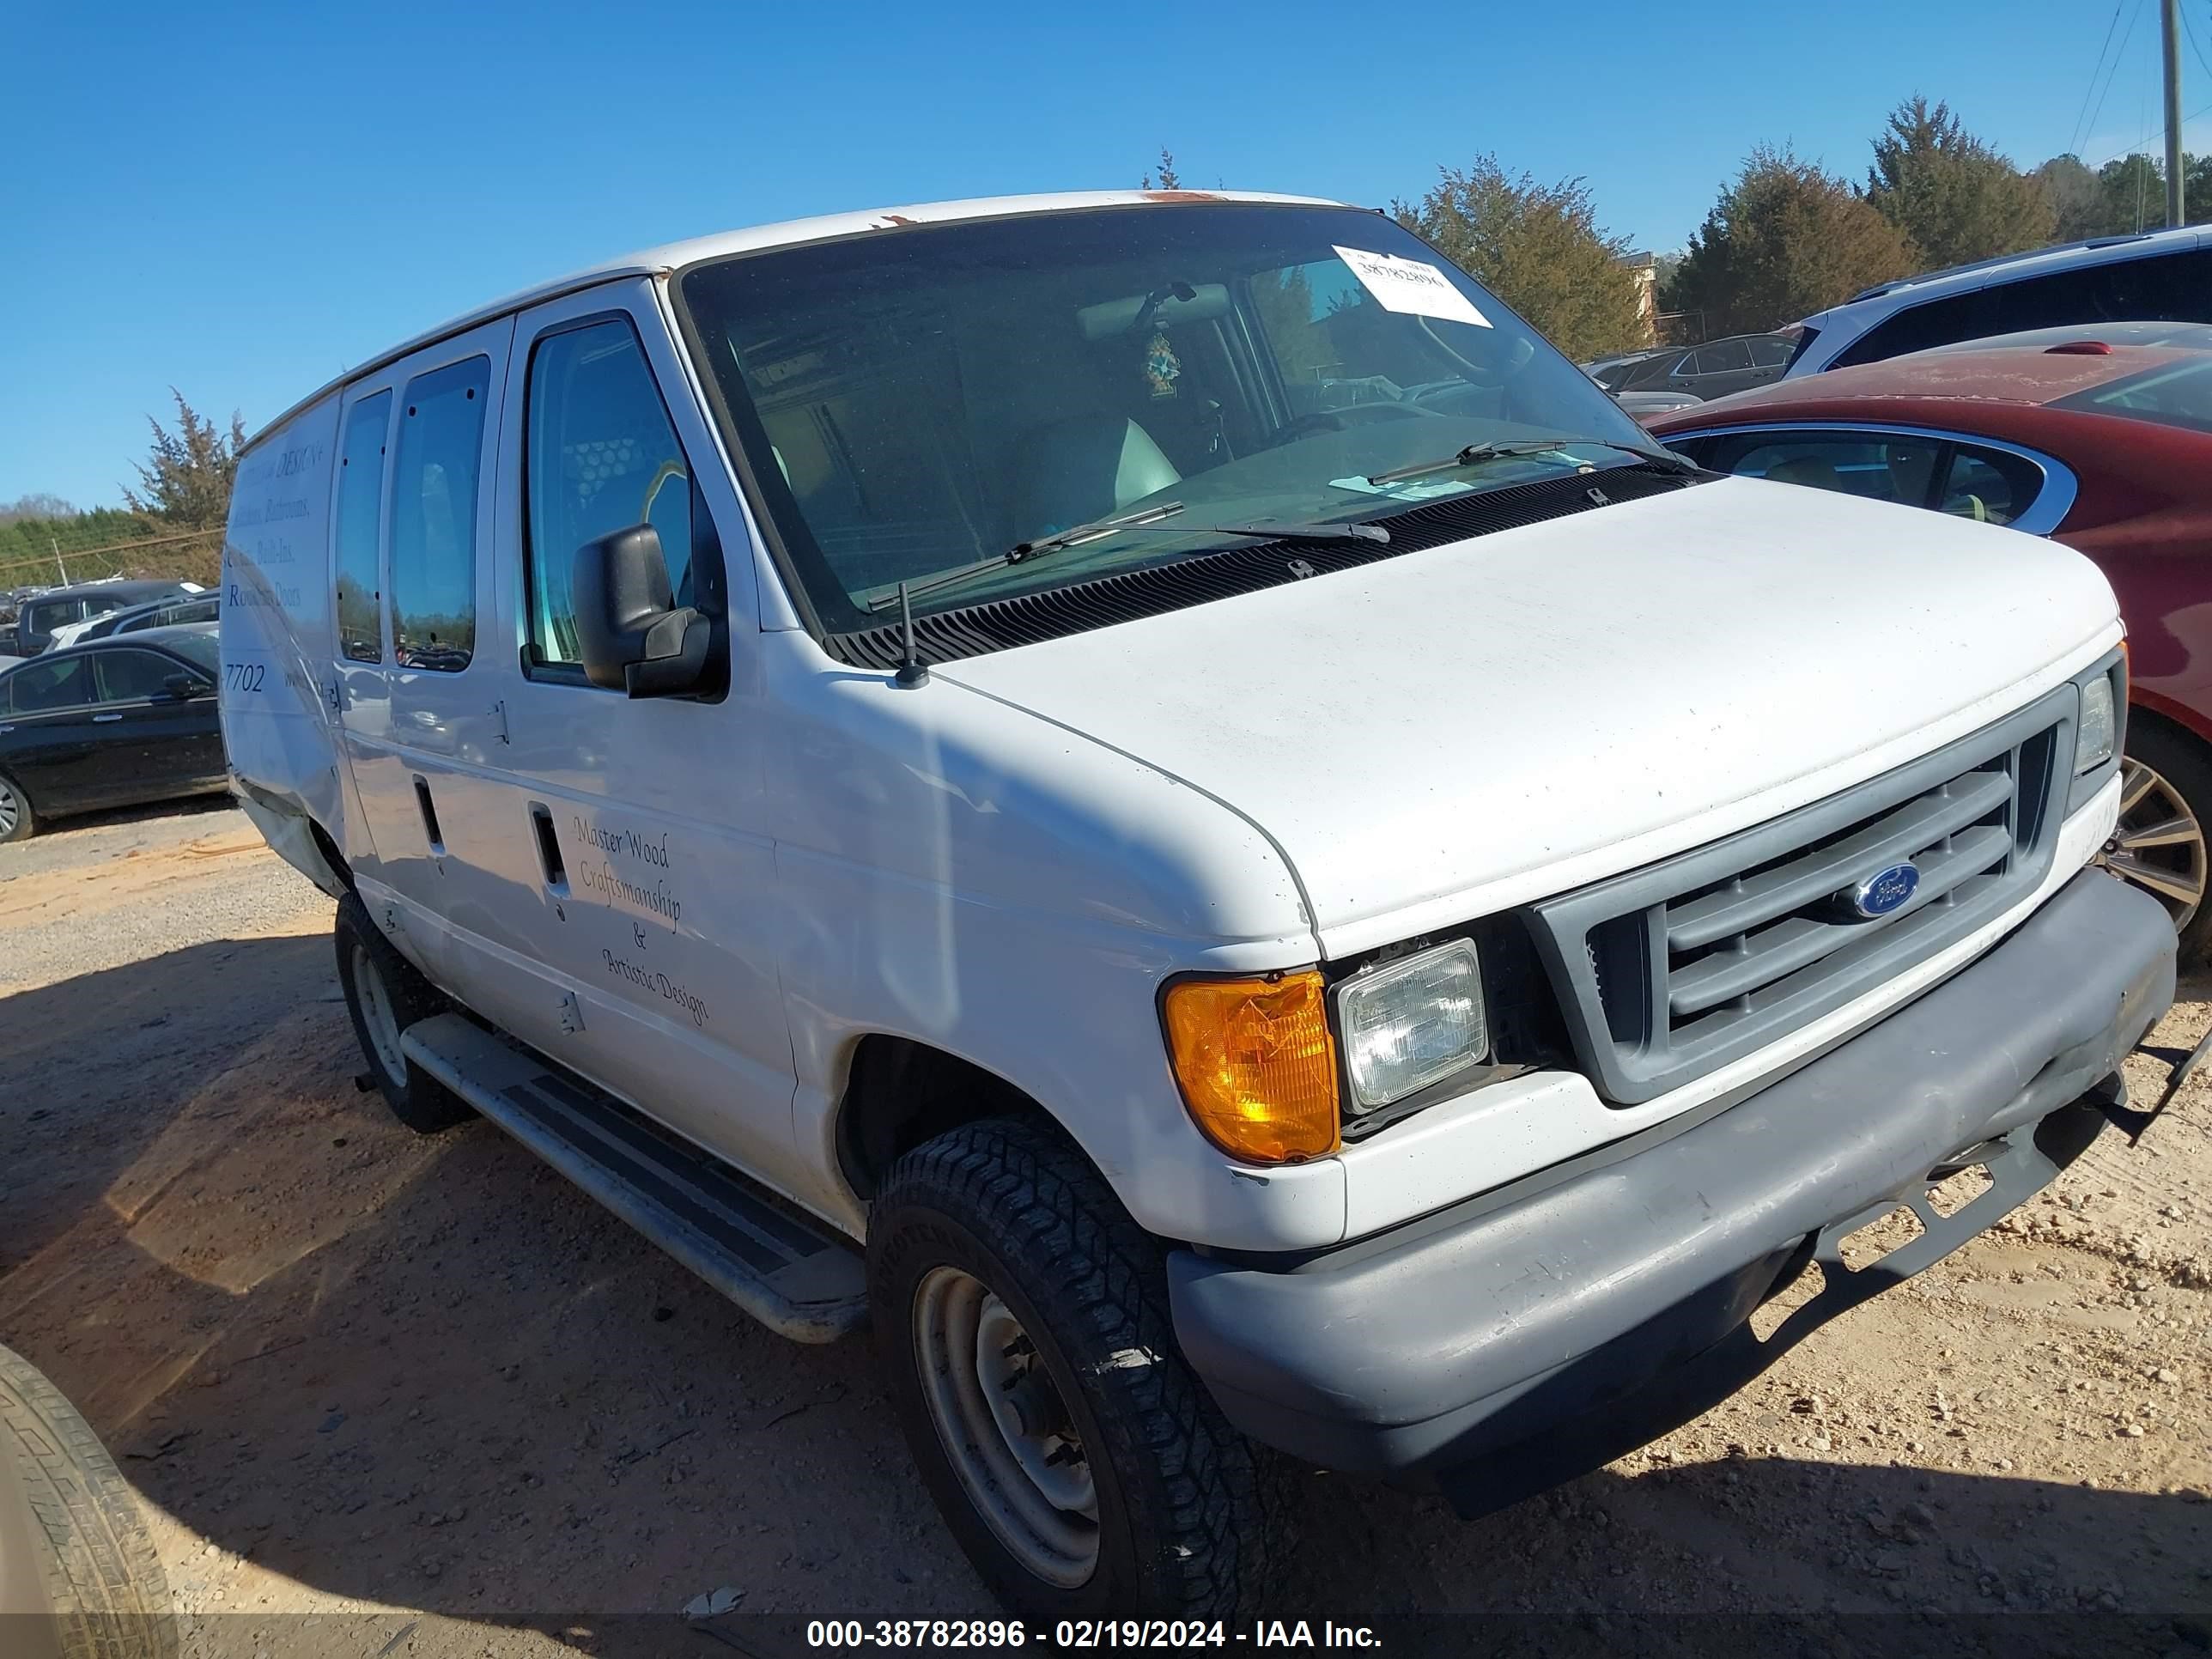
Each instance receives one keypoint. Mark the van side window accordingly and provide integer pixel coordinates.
(361, 486)
(434, 517)
(603, 457)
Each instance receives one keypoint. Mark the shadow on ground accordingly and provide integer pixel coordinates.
(430, 1375)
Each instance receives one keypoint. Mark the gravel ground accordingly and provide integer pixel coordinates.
(384, 1396)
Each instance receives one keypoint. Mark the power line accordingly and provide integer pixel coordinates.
(2126, 36)
(2191, 28)
(2074, 142)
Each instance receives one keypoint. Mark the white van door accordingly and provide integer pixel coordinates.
(416, 708)
(624, 839)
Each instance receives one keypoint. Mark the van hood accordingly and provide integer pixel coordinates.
(1444, 734)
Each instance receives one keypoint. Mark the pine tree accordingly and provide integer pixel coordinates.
(187, 479)
(1538, 247)
(1785, 239)
(1954, 196)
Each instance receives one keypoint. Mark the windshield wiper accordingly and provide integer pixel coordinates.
(1474, 454)
(1149, 519)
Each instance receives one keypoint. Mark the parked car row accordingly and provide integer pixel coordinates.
(2156, 282)
(58, 615)
(119, 722)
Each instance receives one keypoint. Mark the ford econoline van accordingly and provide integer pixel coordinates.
(1150, 796)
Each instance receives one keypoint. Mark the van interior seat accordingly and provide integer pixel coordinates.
(1086, 467)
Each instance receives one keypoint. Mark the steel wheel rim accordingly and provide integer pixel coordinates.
(377, 1017)
(2158, 844)
(10, 814)
(1004, 1427)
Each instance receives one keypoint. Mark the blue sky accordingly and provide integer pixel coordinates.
(241, 201)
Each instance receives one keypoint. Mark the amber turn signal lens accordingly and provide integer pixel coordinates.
(1256, 1064)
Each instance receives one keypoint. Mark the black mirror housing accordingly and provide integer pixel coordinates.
(632, 634)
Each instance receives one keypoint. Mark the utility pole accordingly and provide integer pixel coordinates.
(55, 542)
(2173, 180)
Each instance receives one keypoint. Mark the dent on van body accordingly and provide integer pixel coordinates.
(926, 842)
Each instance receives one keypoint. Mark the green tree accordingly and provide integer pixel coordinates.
(1169, 178)
(1538, 247)
(2077, 204)
(187, 479)
(1955, 197)
(1785, 239)
(2127, 194)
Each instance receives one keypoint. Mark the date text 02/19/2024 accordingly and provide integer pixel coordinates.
(1085, 1633)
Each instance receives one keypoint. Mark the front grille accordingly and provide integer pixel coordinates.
(1672, 971)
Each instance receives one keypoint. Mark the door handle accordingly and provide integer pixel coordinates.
(102, 720)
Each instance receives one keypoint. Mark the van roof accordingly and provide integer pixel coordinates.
(789, 233)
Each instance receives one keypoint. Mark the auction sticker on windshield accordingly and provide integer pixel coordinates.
(1410, 286)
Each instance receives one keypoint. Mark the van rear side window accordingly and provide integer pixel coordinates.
(360, 488)
(603, 457)
(434, 517)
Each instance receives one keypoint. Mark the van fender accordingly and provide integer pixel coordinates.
(291, 834)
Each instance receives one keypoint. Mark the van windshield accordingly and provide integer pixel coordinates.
(913, 401)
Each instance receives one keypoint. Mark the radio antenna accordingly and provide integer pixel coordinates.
(912, 670)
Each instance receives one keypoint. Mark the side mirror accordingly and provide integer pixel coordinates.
(629, 629)
(184, 687)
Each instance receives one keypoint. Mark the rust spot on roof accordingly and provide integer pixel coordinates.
(1179, 196)
(899, 219)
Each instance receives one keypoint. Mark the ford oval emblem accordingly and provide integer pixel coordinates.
(1885, 890)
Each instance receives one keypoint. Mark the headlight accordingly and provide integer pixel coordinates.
(1409, 1023)
(2093, 738)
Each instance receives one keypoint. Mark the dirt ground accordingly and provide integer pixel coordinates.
(384, 1396)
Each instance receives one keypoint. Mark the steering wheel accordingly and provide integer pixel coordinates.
(1484, 374)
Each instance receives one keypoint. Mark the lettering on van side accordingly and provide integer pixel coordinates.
(659, 984)
(618, 890)
(245, 596)
(644, 889)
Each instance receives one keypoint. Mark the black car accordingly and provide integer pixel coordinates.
(162, 613)
(58, 607)
(113, 724)
(1713, 369)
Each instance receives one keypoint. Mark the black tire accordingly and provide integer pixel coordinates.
(104, 1594)
(22, 824)
(417, 1099)
(1190, 1515)
(2183, 762)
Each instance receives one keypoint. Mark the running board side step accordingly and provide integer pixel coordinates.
(796, 1277)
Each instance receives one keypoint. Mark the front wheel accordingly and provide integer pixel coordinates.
(386, 994)
(1022, 1320)
(2158, 844)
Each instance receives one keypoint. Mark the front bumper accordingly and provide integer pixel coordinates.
(1542, 1315)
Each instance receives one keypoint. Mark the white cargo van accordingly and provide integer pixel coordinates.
(1153, 797)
